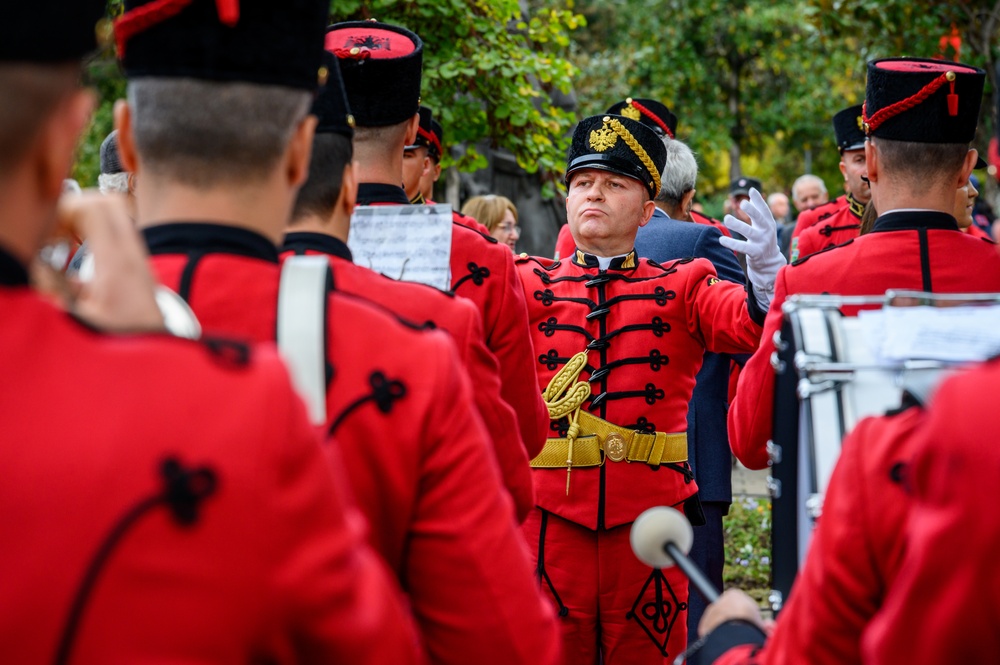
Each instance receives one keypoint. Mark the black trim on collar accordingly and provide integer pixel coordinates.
(188, 237)
(317, 242)
(911, 220)
(375, 192)
(12, 272)
(629, 261)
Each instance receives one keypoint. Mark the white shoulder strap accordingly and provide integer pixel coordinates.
(302, 300)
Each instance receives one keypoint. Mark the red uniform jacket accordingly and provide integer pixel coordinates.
(271, 566)
(906, 250)
(415, 449)
(457, 316)
(813, 216)
(855, 553)
(943, 606)
(836, 229)
(482, 270)
(565, 245)
(646, 328)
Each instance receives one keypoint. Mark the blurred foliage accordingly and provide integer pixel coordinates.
(756, 83)
(747, 538)
(753, 82)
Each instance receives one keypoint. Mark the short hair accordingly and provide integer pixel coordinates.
(207, 133)
(489, 210)
(30, 94)
(680, 172)
(920, 163)
(387, 137)
(331, 153)
(806, 180)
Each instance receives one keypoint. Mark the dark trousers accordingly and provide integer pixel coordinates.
(707, 553)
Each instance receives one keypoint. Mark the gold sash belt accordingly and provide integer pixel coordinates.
(599, 439)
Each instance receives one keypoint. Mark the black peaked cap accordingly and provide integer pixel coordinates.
(849, 127)
(381, 65)
(620, 145)
(269, 43)
(49, 31)
(923, 101)
(649, 112)
(331, 107)
(742, 186)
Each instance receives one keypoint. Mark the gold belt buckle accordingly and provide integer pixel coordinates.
(614, 447)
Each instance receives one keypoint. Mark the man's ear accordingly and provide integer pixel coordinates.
(687, 201)
(127, 153)
(843, 169)
(428, 164)
(647, 212)
(437, 171)
(300, 151)
(56, 144)
(967, 167)
(411, 129)
(348, 190)
(871, 160)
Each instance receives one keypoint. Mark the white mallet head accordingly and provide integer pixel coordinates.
(656, 527)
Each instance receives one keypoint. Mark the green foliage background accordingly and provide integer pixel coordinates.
(753, 82)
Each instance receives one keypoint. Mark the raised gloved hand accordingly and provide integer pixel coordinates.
(764, 259)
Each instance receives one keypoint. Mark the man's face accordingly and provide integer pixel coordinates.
(415, 164)
(430, 177)
(809, 195)
(779, 205)
(605, 209)
(853, 166)
(736, 202)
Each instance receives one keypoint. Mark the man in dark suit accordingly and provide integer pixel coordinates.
(670, 235)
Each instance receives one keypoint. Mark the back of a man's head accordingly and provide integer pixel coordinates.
(205, 134)
(30, 93)
(389, 139)
(680, 173)
(318, 197)
(918, 165)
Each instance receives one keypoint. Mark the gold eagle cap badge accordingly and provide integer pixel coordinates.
(630, 111)
(604, 138)
(861, 123)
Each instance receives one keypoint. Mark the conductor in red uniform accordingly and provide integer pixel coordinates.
(619, 340)
(370, 54)
(167, 500)
(860, 540)
(217, 128)
(840, 220)
(920, 117)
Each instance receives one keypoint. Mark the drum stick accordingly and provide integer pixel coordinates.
(661, 537)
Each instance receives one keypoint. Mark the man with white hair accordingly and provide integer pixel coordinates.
(809, 191)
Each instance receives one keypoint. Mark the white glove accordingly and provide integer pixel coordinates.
(764, 259)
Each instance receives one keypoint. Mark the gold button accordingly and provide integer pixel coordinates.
(614, 447)
(524, 255)
(323, 75)
(950, 76)
(355, 50)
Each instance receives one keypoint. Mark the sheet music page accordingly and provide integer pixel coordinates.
(408, 242)
(965, 333)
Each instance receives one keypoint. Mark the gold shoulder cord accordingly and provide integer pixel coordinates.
(564, 396)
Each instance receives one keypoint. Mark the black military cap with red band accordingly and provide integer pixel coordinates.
(923, 101)
(429, 134)
(381, 65)
(252, 41)
(649, 112)
(49, 31)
